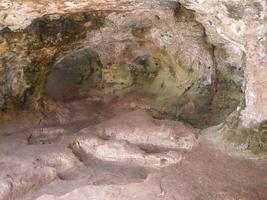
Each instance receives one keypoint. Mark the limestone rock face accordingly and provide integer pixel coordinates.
(243, 25)
(157, 48)
(156, 45)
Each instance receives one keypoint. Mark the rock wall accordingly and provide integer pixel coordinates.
(28, 54)
(241, 24)
(231, 27)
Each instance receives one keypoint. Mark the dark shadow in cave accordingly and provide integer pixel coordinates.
(77, 69)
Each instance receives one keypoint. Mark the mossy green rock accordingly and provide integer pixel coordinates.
(117, 79)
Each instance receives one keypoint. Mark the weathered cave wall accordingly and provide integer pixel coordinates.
(241, 24)
(232, 28)
(158, 49)
(27, 55)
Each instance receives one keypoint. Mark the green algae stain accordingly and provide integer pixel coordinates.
(117, 78)
(161, 74)
(83, 70)
(251, 139)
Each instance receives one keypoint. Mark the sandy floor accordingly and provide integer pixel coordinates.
(100, 147)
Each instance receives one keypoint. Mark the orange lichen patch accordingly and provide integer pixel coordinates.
(49, 52)
(88, 24)
(3, 48)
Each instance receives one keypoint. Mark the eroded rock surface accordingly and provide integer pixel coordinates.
(154, 48)
(158, 133)
(126, 162)
(236, 26)
(242, 24)
(40, 159)
(123, 152)
(87, 77)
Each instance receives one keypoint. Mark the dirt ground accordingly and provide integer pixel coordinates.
(107, 147)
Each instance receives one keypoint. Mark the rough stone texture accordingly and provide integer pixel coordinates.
(24, 67)
(70, 164)
(155, 47)
(36, 158)
(243, 25)
(158, 133)
(176, 67)
(240, 24)
(123, 152)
